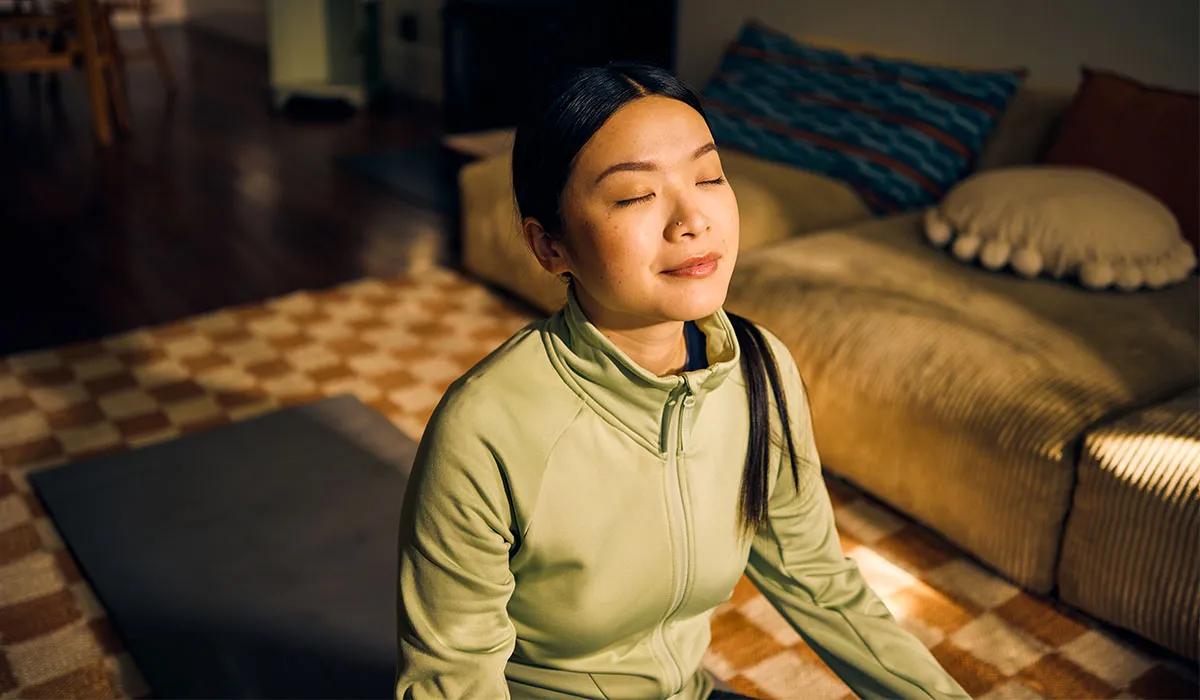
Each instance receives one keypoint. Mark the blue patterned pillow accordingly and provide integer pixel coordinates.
(900, 133)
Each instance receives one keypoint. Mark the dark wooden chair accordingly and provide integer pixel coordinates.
(78, 37)
(152, 47)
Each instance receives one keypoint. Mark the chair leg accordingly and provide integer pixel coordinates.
(97, 94)
(156, 48)
(120, 99)
(118, 52)
(34, 78)
(115, 73)
(5, 99)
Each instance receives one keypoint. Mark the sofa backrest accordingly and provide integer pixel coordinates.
(1026, 128)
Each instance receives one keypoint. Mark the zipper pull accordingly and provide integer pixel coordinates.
(664, 440)
(688, 402)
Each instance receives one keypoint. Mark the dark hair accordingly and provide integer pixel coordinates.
(549, 137)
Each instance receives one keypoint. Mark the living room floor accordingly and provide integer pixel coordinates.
(218, 267)
(209, 189)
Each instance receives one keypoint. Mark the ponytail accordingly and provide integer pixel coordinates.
(760, 370)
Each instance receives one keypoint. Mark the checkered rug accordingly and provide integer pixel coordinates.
(397, 344)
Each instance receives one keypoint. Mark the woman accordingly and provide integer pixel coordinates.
(585, 496)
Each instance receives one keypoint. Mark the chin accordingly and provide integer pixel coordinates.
(697, 299)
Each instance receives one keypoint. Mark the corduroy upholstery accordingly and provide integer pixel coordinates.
(1131, 551)
(956, 393)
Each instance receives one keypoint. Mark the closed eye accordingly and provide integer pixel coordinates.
(635, 200)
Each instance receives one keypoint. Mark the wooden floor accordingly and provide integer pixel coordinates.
(212, 201)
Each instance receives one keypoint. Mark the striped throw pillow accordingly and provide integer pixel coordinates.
(900, 133)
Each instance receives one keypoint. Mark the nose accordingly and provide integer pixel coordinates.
(687, 219)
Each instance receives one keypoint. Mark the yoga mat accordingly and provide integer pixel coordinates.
(257, 559)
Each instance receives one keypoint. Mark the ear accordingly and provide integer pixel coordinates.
(551, 254)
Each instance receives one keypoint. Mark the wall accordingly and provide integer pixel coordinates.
(1154, 41)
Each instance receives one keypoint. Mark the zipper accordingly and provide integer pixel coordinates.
(688, 402)
(674, 452)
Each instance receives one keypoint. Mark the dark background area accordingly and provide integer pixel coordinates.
(215, 199)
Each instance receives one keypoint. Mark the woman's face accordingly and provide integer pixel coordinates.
(646, 193)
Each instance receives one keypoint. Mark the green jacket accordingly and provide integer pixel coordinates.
(571, 522)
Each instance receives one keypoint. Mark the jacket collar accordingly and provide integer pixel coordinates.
(623, 390)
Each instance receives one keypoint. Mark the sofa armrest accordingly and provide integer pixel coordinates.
(493, 248)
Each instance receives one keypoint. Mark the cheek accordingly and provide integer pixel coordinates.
(732, 219)
(622, 250)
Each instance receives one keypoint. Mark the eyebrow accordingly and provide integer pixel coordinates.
(649, 164)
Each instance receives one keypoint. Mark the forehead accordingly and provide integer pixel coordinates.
(649, 128)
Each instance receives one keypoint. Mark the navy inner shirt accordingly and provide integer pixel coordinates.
(697, 353)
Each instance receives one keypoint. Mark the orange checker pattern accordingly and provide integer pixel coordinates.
(397, 344)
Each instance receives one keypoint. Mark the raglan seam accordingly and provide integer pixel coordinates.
(592, 403)
(600, 690)
(546, 465)
(612, 420)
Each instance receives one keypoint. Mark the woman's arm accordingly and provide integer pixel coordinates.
(454, 633)
(797, 562)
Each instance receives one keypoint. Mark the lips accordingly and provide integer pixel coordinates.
(694, 262)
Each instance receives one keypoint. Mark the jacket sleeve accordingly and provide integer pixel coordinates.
(796, 561)
(454, 634)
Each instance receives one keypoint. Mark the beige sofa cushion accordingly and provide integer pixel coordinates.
(953, 392)
(1069, 222)
(1131, 551)
(777, 201)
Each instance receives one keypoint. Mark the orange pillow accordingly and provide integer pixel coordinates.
(1146, 135)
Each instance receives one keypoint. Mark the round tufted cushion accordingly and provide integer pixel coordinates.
(1068, 222)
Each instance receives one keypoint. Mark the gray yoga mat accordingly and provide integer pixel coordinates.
(254, 560)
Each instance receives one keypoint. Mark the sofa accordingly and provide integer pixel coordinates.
(1049, 430)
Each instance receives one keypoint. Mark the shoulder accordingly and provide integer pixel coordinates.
(505, 406)
(514, 375)
(798, 412)
(780, 351)
(486, 443)
(778, 348)
(794, 390)
(783, 355)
